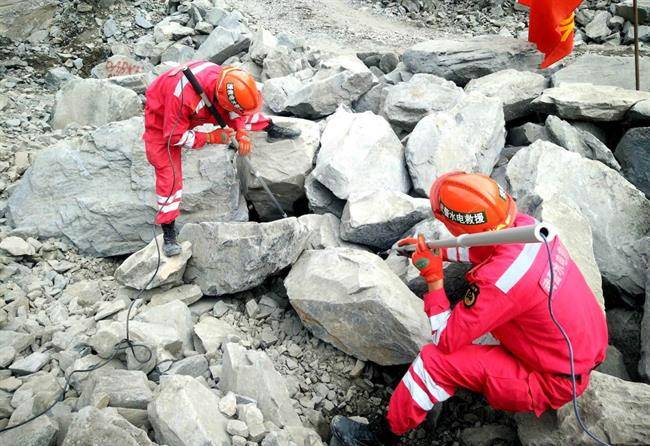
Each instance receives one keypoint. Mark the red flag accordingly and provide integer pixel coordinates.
(552, 27)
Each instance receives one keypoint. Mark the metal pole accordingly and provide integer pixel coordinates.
(637, 74)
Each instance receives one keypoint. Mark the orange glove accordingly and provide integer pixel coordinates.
(219, 136)
(428, 262)
(245, 143)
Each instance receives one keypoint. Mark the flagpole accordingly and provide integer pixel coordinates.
(637, 75)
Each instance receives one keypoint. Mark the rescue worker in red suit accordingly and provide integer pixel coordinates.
(528, 368)
(173, 109)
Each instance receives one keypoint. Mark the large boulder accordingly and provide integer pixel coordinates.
(580, 141)
(516, 89)
(321, 200)
(341, 80)
(626, 9)
(174, 314)
(20, 18)
(597, 69)
(98, 192)
(124, 388)
(644, 362)
(619, 214)
(251, 373)
(379, 218)
(408, 102)
(262, 42)
(40, 432)
(588, 102)
(462, 60)
(360, 152)
(232, 257)
(336, 291)
(633, 152)
(94, 102)
(278, 90)
(184, 412)
(468, 137)
(103, 427)
(283, 165)
(221, 44)
(615, 410)
(324, 231)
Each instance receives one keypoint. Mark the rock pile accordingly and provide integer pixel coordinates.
(264, 328)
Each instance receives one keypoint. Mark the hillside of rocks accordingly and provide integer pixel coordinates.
(264, 328)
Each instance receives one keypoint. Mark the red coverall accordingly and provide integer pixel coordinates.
(508, 297)
(173, 109)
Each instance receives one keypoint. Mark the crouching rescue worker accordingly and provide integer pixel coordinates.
(173, 109)
(527, 369)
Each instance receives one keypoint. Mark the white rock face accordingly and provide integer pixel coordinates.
(93, 102)
(337, 290)
(619, 214)
(360, 152)
(468, 137)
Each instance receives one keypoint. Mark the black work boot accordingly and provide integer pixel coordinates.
(170, 246)
(275, 132)
(347, 432)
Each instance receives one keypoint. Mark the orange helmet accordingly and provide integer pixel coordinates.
(237, 91)
(470, 202)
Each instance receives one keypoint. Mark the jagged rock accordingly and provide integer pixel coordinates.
(337, 290)
(373, 100)
(468, 137)
(184, 413)
(57, 76)
(487, 435)
(324, 231)
(85, 292)
(644, 362)
(125, 388)
(8, 353)
(137, 270)
(619, 214)
(262, 42)
(20, 18)
(68, 192)
(188, 294)
(612, 408)
(321, 200)
(278, 90)
(214, 332)
(527, 134)
(16, 246)
(408, 102)
(582, 142)
(360, 153)
(174, 314)
(462, 60)
(30, 364)
(222, 44)
(639, 114)
(625, 334)
(93, 102)
(597, 69)
(283, 165)
(341, 80)
(254, 419)
(251, 373)
(40, 432)
(588, 102)
(237, 427)
(178, 53)
(516, 89)
(379, 218)
(167, 30)
(282, 61)
(597, 30)
(193, 366)
(634, 155)
(18, 341)
(233, 257)
(625, 9)
(613, 364)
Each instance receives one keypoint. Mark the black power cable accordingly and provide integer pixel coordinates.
(574, 391)
(126, 343)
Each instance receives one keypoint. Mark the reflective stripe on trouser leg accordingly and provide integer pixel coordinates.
(168, 191)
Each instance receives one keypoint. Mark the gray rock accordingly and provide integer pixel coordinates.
(167, 30)
(85, 292)
(527, 134)
(516, 89)
(184, 412)
(40, 432)
(588, 102)
(615, 71)
(388, 62)
(142, 21)
(214, 332)
(174, 314)
(254, 419)
(233, 257)
(125, 388)
(18, 341)
(321, 200)
(379, 218)
(261, 43)
(188, 294)
(324, 231)
(278, 90)
(360, 153)
(221, 44)
(639, 114)
(137, 270)
(228, 404)
(634, 155)
(16, 246)
(57, 76)
(462, 60)
(487, 435)
(251, 373)
(178, 53)
(575, 140)
(373, 100)
(93, 102)
(618, 215)
(237, 427)
(408, 102)
(624, 327)
(68, 192)
(613, 364)
(341, 80)
(193, 366)
(30, 364)
(20, 18)
(468, 137)
(283, 165)
(612, 408)
(644, 362)
(8, 353)
(337, 290)
(282, 61)
(625, 10)
(597, 30)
